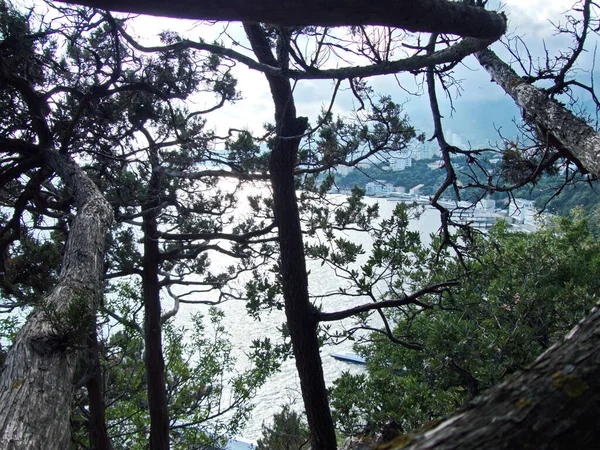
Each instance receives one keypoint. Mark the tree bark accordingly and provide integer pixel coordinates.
(98, 433)
(36, 385)
(551, 405)
(301, 315)
(554, 121)
(434, 16)
(154, 359)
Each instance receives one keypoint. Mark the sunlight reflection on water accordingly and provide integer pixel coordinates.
(284, 387)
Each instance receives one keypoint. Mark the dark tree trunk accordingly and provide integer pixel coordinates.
(435, 16)
(552, 405)
(154, 360)
(98, 434)
(36, 385)
(556, 123)
(301, 316)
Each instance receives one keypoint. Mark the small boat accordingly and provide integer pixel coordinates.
(350, 357)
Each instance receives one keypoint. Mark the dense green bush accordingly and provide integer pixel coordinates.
(518, 294)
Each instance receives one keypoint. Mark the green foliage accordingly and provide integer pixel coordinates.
(244, 152)
(9, 326)
(518, 294)
(122, 115)
(263, 292)
(31, 266)
(287, 432)
(382, 128)
(418, 173)
(583, 192)
(200, 375)
(322, 216)
(72, 322)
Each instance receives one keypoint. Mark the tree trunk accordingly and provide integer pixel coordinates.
(572, 134)
(434, 16)
(36, 385)
(98, 433)
(301, 315)
(552, 405)
(154, 359)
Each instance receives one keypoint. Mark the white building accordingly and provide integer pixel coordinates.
(436, 165)
(379, 187)
(522, 211)
(425, 150)
(398, 164)
(416, 190)
(487, 204)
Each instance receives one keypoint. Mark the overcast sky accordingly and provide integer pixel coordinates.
(481, 106)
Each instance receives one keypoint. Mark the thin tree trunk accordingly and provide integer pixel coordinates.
(301, 316)
(554, 121)
(98, 433)
(36, 385)
(154, 359)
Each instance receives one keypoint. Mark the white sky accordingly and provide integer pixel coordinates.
(527, 18)
(536, 10)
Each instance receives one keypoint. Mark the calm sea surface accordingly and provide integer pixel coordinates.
(284, 387)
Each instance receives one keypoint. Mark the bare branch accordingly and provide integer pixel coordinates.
(407, 300)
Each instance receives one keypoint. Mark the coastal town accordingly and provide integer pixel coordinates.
(424, 163)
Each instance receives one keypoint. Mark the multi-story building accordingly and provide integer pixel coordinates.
(416, 190)
(522, 211)
(379, 187)
(400, 163)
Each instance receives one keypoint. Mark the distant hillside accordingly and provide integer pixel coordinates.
(583, 193)
(419, 173)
